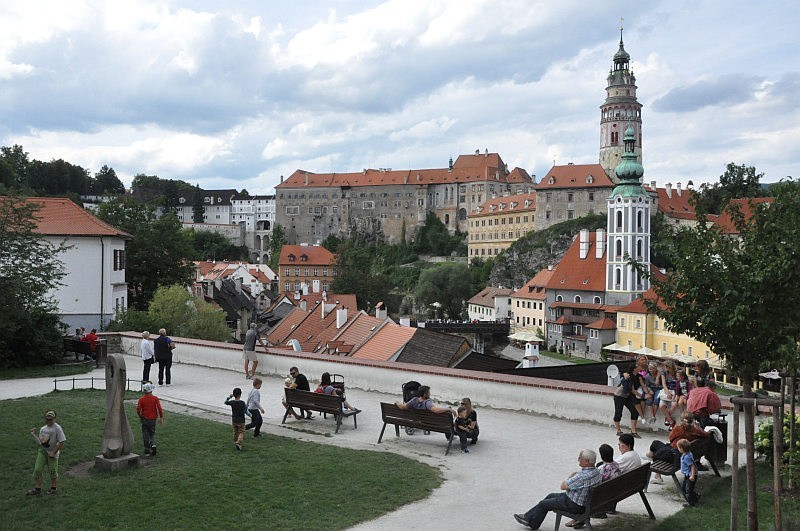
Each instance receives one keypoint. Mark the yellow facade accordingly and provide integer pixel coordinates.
(647, 330)
(498, 223)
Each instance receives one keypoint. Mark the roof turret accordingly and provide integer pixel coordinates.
(629, 171)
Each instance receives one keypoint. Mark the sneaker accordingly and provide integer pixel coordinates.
(620, 433)
(636, 435)
(657, 481)
(51, 492)
(238, 446)
(667, 423)
(34, 492)
(256, 435)
(153, 450)
(465, 450)
(520, 518)
(652, 420)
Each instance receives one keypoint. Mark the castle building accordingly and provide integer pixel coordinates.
(499, 222)
(620, 111)
(571, 191)
(392, 203)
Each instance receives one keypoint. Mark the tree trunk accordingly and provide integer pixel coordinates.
(749, 441)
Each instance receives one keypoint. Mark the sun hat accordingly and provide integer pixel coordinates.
(148, 388)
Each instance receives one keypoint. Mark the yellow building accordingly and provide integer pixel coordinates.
(499, 222)
(529, 316)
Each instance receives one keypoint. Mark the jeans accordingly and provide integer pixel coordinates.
(688, 491)
(149, 433)
(164, 366)
(555, 500)
(255, 422)
(468, 434)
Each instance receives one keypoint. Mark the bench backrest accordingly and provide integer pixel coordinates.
(77, 346)
(311, 400)
(417, 418)
(620, 487)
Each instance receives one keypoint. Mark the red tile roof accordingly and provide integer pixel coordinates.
(466, 168)
(575, 176)
(386, 343)
(576, 274)
(674, 204)
(603, 324)
(59, 216)
(314, 255)
(746, 206)
(487, 295)
(525, 202)
(359, 329)
(535, 287)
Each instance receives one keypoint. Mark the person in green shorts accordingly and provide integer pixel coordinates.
(50, 440)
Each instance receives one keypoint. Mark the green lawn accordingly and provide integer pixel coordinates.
(198, 478)
(52, 371)
(713, 511)
(578, 360)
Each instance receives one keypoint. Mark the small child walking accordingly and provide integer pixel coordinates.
(254, 407)
(689, 471)
(149, 410)
(238, 408)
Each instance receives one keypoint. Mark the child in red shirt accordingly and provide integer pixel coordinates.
(149, 410)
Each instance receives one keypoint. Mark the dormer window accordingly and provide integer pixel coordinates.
(291, 258)
(303, 258)
(589, 179)
(551, 180)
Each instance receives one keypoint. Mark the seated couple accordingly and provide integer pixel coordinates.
(326, 387)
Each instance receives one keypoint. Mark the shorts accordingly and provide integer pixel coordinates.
(250, 355)
(45, 463)
(655, 399)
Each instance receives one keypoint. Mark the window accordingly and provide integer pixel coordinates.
(119, 259)
(638, 324)
(297, 271)
(287, 286)
(316, 272)
(597, 300)
(655, 324)
(689, 351)
(622, 322)
(369, 205)
(292, 210)
(577, 298)
(570, 197)
(676, 349)
(305, 272)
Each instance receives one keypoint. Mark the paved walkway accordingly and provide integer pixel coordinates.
(519, 459)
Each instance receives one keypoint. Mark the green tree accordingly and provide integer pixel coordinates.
(107, 182)
(433, 238)
(29, 329)
(208, 323)
(57, 178)
(479, 271)
(198, 209)
(447, 285)
(276, 241)
(17, 160)
(213, 246)
(356, 273)
(159, 253)
(172, 309)
(737, 182)
(737, 294)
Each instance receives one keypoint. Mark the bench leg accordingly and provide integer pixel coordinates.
(355, 422)
(678, 484)
(286, 414)
(558, 521)
(449, 443)
(397, 430)
(382, 430)
(647, 505)
(338, 422)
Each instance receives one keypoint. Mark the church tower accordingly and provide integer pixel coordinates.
(628, 228)
(620, 109)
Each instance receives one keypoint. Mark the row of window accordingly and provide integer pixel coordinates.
(288, 286)
(287, 272)
(484, 251)
(498, 221)
(548, 196)
(510, 235)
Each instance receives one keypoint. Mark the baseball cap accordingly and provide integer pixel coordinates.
(50, 415)
(148, 388)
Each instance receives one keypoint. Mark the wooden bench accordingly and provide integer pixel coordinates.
(78, 347)
(320, 402)
(417, 418)
(604, 496)
(665, 468)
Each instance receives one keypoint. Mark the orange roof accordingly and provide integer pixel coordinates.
(386, 343)
(638, 305)
(674, 204)
(348, 300)
(535, 287)
(745, 206)
(359, 329)
(575, 274)
(59, 216)
(575, 176)
(283, 330)
(466, 168)
(311, 255)
(487, 295)
(603, 324)
(525, 202)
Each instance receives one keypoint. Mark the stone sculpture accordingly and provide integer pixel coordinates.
(117, 433)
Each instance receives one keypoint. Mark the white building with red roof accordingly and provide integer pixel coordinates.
(94, 288)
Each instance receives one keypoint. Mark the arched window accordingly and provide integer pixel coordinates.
(559, 298)
(619, 219)
(639, 224)
(598, 300)
(618, 248)
(447, 217)
(577, 298)
(618, 277)
(639, 253)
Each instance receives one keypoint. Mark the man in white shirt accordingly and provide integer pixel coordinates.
(146, 349)
(628, 460)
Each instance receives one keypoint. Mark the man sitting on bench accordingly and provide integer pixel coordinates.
(576, 487)
(423, 401)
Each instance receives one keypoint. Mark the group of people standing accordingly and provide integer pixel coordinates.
(651, 387)
(158, 351)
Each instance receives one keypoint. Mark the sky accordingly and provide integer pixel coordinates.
(236, 94)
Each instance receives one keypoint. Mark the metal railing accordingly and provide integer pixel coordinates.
(130, 385)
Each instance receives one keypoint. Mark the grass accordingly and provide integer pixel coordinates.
(198, 478)
(713, 511)
(45, 371)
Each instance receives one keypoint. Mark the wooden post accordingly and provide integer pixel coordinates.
(735, 471)
(792, 434)
(777, 458)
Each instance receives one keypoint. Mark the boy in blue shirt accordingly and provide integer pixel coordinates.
(689, 471)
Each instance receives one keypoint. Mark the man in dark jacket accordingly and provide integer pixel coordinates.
(162, 347)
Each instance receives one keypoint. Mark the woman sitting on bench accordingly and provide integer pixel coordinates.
(326, 387)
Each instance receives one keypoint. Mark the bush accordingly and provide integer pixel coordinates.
(764, 444)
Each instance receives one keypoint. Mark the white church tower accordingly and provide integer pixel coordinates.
(628, 228)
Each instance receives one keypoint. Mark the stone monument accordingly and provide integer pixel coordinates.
(117, 434)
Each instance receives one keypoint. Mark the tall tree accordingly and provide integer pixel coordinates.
(737, 182)
(446, 285)
(17, 159)
(107, 182)
(737, 294)
(159, 253)
(276, 241)
(29, 329)
(198, 209)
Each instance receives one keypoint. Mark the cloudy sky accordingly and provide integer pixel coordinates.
(235, 94)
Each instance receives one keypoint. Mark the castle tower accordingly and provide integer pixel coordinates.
(628, 228)
(620, 109)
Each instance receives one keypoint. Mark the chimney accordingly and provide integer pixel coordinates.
(322, 306)
(324, 295)
(380, 311)
(584, 243)
(653, 185)
(668, 186)
(303, 304)
(405, 321)
(678, 189)
(341, 317)
(281, 178)
(497, 175)
(296, 295)
(306, 179)
(600, 243)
